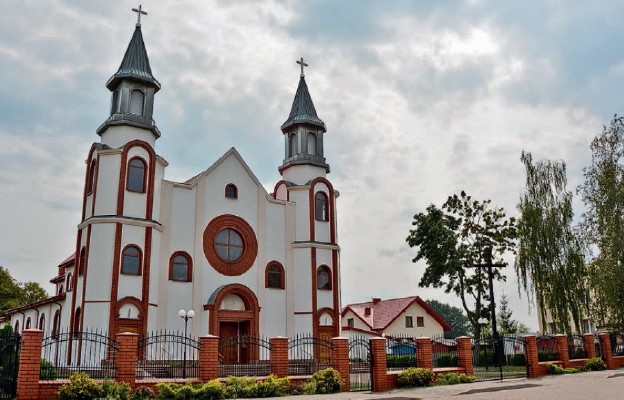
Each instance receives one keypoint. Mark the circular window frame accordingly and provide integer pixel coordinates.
(250, 245)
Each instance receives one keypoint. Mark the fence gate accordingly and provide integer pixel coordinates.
(9, 356)
(499, 359)
(360, 365)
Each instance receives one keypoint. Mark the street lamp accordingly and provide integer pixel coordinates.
(185, 315)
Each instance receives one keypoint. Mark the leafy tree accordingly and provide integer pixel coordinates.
(454, 316)
(31, 292)
(603, 194)
(550, 265)
(505, 323)
(14, 294)
(452, 239)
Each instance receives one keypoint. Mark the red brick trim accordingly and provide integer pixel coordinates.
(151, 167)
(146, 275)
(335, 319)
(189, 264)
(115, 278)
(251, 313)
(282, 274)
(276, 188)
(84, 189)
(128, 300)
(330, 208)
(314, 292)
(250, 245)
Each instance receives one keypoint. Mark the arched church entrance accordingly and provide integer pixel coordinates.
(327, 329)
(233, 315)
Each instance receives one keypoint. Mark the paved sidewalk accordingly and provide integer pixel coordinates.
(588, 385)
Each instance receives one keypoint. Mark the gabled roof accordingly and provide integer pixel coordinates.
(68, 261)
(385, 312)
(135, 64)
(302, 110)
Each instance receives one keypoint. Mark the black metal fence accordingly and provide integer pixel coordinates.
(598, 346)
(360, 364)
(401, 352)
(444, 352)
(91, 352)
(617, 343)
(167, 354)
(244, 356)
(308, 354)
(576, 347)
(547, 348)
(9, 363)
(499, 359)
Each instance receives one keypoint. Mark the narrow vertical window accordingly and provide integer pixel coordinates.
(180, 268)
(115, 102)
(82, 262)
(56, 323)
(274, 276)
(16, 326)
(136, 175)
(91, 177)
(42, 322)
(231, 191)
(312, 143)
(131, 261)
(28, 322)
(409, 322)
(320, 207)
(76, 325)
(69, 282)
(323, 281)
(136, 102)
(292, 144)
(420, 322)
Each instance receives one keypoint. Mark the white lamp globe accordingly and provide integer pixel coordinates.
(190, 313)
(181, 313)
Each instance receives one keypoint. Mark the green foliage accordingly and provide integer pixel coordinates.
(309, 387)
(557, 370)
(413, 377)
(453, 378)
(245, 387)
(550, 264)
(327, 381)
(112, 390)
(48, 371)
(143, 393)
(447, 360)
(81, 387)
(211, 390)
(594, 364)
(454, 237)
(453, 316)
(14, 294)
(543, 355)
(6, 330)
(399, 361)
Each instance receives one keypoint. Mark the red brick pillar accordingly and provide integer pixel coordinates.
(589, 345)
(464, 354)
(279, 356)
(424, 357)
(29, 365)
(380, 369)
(562, 350)
(340, 359)
(605, 342)
(530, 353)
(208, 357)
(127, 358)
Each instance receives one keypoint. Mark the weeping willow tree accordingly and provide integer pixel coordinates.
(550, 264)
(603, 194)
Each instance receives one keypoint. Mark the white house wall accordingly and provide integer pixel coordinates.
(431, 328)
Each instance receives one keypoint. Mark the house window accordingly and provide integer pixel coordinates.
(409, 322)
(350, 322)
(180, 269)
(60, 289)
(115, 101)
(322, 278)
(311, 143)
(42, 322)
(131, 261)
(137, 99)
(136, 175)
(420, 322)
(231, 191)
(81, 262)
(228, 245)
(274, 276)
(320, 208)
(16, 326)
(69, 282)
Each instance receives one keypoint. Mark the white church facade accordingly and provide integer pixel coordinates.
(248, 262)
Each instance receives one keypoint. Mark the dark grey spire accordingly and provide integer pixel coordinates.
(135, 64)
(303, 111)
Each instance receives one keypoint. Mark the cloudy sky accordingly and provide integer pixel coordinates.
(421, 99)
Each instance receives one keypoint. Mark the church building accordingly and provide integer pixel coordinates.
(246, 261)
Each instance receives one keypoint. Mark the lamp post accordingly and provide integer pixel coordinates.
(185, 315)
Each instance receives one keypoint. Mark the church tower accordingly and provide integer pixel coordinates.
(118, 238)
(316, 253)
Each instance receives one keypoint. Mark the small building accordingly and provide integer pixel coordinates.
(404, 317)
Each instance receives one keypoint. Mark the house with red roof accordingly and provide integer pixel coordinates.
(407, 316)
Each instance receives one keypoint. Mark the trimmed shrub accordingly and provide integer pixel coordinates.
(453, 378)
(143, 393)
(557, 370)
(80, 387)
(327, 381)
(211, 390)
(112, 390)
(517, 360)
(594, 364)
(413, 377)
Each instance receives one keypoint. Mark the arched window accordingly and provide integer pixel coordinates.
(91, 177)
(82, 261)
(76, 325)
(69, 282)
(312, 143)
(274, 276)
(180, 267)
(323, 275)
(28, 323)
(231, 191)
(56, 323)
(131, 261)
(136, 102)
(42, 322)
(16, 326)
(115, 102)
(136, 175)
(292, 144)
(320, 207)
(60, 289)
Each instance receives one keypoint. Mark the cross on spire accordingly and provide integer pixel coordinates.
(300, 62)
(139, 11)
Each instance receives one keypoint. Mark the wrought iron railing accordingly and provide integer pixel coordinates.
(617, 343)
(444, 352)
(308, 354)
(547, 348)
(401, 352)
(168, 354)
(576, 347)
(244, 356)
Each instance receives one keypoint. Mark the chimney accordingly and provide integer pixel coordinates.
(376, 300)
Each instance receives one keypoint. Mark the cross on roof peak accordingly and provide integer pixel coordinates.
(139, 11)
(303, 64)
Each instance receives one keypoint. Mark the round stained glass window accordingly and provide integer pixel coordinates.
(228, 245)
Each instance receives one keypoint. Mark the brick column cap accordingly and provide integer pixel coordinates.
(340, 338)
(278, 337)
(127, 334)
(378, 338)
(463, 337)
(209, 337)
